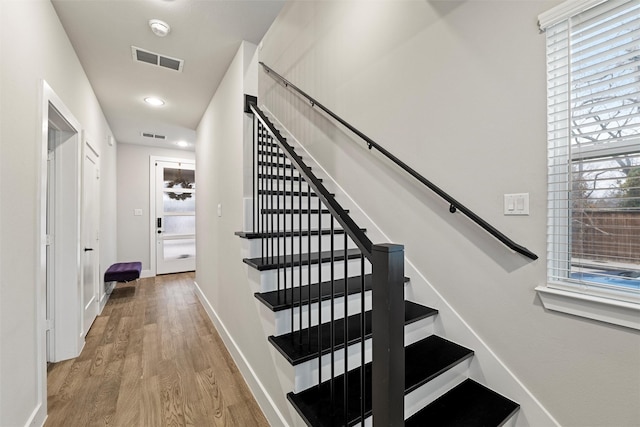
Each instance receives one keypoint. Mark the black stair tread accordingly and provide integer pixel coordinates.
(285, 177)
(281, 300)
(424, 360)
(301, 346)
(468, 404)
(286, 193)
(271, 263)
(295, 233)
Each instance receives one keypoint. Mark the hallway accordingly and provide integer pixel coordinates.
(152, 358)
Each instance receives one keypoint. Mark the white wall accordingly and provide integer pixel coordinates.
(221, 275)
(34, 47)
(133, 193)
(457, 90)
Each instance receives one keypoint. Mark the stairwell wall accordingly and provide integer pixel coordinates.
(221, 276)
(457, 89)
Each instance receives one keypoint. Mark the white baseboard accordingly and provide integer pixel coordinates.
(147, 273)
(268, 406)
(38, 417)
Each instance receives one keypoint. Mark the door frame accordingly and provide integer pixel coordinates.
(48, 98)
(66, 299)
(152, 205)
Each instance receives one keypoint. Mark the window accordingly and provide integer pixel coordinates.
(593, 72)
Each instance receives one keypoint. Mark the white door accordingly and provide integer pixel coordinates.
(90, 237)
(175, 219)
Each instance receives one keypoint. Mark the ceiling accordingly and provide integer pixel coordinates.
(204, 33)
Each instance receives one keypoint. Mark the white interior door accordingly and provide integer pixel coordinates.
(175, 219)
(62, 210)
(90, 237)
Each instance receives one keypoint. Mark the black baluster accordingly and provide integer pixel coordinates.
(362, 334)
(333, 316)
(280, 229)
(319, 299)
(309, 264)
(255, 175)
(271, 204)
(262, 187)
(284, 238)
(293, 302)
(300, 251)
(346, 334)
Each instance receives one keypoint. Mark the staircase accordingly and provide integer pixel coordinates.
(322, 283)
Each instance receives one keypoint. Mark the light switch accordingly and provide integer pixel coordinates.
(516, 204)
(137, 212)
(219, 209)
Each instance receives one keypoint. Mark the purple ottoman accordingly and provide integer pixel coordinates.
(123, 272)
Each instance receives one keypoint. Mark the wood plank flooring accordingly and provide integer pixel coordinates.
(152, 358)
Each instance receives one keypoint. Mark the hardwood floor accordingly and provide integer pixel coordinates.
(152, 358)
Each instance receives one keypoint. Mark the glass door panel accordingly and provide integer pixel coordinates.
(175, 217)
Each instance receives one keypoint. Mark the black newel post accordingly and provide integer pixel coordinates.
(388, 335)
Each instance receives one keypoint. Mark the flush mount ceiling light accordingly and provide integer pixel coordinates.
(152, 100)
(182, 144)
(159, 28)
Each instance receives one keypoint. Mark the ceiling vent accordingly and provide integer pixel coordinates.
(156, 59)
(153, 135)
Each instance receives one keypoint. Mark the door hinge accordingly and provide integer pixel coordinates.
(50, 155)
(48, 324)
(49, 240)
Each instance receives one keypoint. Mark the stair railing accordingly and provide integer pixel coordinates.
(278, 221)
(454, 205)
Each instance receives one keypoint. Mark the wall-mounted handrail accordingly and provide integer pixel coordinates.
(342, 217)
(454, 205)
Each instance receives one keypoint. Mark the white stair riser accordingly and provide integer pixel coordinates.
(512, 421)
(282, 319)
(282, 184)
(285, 202)
(306, 374)
(427, 393)
(268, 279)
(269, 223)
(284, 245)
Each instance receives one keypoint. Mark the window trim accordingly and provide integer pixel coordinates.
(603, 309)
(565, 11)
(614, 307)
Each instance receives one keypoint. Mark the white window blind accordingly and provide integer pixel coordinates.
(593, 72)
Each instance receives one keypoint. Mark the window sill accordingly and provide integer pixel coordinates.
(602, 309)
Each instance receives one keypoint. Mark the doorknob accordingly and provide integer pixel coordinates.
(88, 249)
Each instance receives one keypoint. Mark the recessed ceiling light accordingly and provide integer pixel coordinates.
(159, 28)
(182, 144)
(152, 100)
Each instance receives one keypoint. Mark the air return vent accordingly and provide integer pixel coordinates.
(141, 55)
(153, 135)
